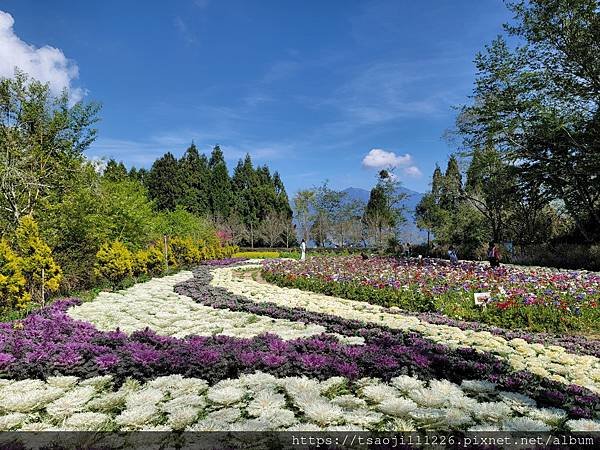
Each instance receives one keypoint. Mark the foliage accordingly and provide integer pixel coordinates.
(165, 182)
(186, 252)
(383, 212)
(302, 207)
(220, 192)
(114, 262)
(42, 140)
(261, 205)
(38, 265)
(95, 210)
(538, 104)
(139, 262)
(181, 223)
(13, 284)
(195, 177)
(256, 255)
(155, 261)
(115, 171)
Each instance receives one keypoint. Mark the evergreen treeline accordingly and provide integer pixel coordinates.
(251, 206)
(65, 220)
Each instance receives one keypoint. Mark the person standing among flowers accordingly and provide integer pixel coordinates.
(452, 255)
(303, 249)
(493, 255)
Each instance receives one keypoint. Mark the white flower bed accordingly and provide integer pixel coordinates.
(262, 402)
(551, 361)
(154, 304)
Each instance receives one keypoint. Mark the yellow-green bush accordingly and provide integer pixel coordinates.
(206, 251)
(156, 260)
(185, 251)
(13, 284)
(114, 262)
(139, 263)
(38, 266)
(256, 255)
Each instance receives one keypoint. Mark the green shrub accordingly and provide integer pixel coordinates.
(256, 255)
(290, 255)
(114, 263)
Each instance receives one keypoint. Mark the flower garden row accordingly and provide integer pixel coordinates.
(319, 371)
(535, 299)
(548, 361)
(259, 401)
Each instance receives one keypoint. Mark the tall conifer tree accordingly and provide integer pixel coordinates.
(195, 181)
(164, 183)
(220, 194)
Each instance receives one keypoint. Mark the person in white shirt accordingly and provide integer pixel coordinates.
(303, 248)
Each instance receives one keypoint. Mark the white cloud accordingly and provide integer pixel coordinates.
(381, 159)
(46, 64)
(412, 171)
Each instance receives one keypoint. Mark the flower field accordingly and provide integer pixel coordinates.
(211, 350)
(536, 299)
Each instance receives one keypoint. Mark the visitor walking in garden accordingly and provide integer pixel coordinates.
(407, 250)
(493, 255)
(303, 249)
(452, 255)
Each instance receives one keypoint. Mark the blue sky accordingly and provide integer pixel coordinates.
(310, 88)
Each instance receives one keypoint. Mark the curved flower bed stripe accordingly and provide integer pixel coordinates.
(537, 299)
(261, 402)
(199, 288)
(50, 342)
(576, 344)
(550, 362)
(155, 305)
(223, 262)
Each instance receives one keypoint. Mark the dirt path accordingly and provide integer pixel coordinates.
(251, 274)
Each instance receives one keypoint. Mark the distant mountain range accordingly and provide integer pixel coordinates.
(408, 231)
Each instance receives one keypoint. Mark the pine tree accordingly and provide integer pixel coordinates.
(377, 215)
(195, 181)
(245, 185)
(220, 193)
(452, 186)
(164, 183)
(437, 183)
(115, 171)
(283, 202)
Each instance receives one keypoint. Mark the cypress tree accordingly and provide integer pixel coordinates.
(115, 171)
(164, 183)
(452, 185)
(220, 193)
(283, 202)
(195, 181)
(437, 183)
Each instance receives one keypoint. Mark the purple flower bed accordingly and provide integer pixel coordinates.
(49, 342)
(223, 262)
(455, 365)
